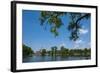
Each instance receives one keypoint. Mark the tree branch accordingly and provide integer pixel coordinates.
(81, 18)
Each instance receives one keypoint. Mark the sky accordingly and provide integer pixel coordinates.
(35, 36)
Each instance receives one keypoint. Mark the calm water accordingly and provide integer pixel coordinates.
(50, 58)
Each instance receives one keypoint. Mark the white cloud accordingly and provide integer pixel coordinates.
(76, 46)
(83, 31)
(62, 44)
(89, 44)
(78, 41)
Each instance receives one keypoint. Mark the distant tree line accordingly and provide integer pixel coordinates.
(64, 52)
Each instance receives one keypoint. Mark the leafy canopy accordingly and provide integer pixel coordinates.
(54, 19)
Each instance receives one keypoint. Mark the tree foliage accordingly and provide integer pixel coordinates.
(27, 51)
(43, 52)
(66, 52)
(54, 19)
(53, 50)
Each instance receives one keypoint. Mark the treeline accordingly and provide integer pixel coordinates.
(27, 51)
(66, 52)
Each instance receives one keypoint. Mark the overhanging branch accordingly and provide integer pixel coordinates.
(82, 17)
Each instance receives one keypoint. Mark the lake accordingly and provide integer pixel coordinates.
(50, 58)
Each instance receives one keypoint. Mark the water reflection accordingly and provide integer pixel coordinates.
(51, 58)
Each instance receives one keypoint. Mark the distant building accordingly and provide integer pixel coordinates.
(38, 53)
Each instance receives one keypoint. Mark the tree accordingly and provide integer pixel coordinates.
(54, 50)
(87, 52)
(49, 53)
(66, 52)
(43, 52)
(27, 51)
(63, 51)
(71, 52)
(55, 21)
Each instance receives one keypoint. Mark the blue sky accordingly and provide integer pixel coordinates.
(36, 37)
